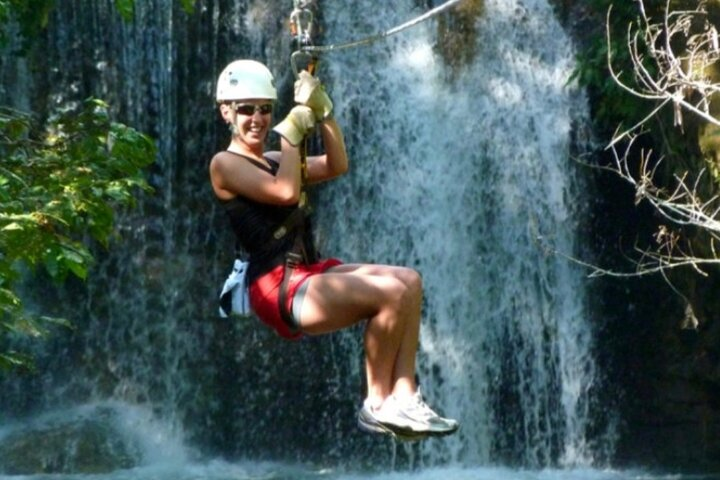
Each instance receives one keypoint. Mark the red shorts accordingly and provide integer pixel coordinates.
(264, 292)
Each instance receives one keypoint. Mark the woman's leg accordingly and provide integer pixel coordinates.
(391, 298)
(404, 368)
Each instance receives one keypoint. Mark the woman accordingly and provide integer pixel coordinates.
(290, 290)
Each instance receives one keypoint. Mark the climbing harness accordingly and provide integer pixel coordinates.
(301, 252)
(302, 26)
(302, 23)
(234, 298)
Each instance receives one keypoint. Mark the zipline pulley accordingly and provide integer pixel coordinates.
(381, 35)
(302, 24)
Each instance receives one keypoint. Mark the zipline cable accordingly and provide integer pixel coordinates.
(373, 38)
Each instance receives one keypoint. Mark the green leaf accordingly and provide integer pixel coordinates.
(125, 8)
(13, 226)
(29, 326)
(8, 298)
(13, 360)
(188, 6)
(77, 266)
(63, 322)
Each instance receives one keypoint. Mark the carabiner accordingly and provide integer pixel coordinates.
(309, 65)
(301, 26)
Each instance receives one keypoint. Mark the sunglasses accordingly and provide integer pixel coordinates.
(250, 109)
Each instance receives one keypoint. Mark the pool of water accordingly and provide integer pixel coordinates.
(220, 470)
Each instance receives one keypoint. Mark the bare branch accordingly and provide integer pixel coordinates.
(670, 62)
(674, 76)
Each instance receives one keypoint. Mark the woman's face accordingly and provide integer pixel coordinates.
(252, 119)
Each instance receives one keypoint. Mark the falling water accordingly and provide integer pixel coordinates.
(456, 171)
(457, 178)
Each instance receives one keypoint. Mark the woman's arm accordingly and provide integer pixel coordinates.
(231, 176)
(309, 91)
(334, 162)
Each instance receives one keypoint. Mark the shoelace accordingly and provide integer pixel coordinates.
(416, 404)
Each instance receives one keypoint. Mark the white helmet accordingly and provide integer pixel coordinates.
(245, 79)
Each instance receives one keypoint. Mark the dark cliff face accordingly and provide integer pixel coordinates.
(660, 340)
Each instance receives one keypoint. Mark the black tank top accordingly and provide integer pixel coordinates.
(254, 224)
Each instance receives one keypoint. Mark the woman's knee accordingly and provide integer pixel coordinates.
(407, 289)
(412, 280)
(410, 277)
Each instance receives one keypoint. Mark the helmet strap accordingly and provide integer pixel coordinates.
(233, 124)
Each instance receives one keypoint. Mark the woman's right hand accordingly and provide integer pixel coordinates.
(298, 123)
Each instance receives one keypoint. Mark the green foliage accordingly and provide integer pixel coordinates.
(615, 109)
(59, 183)
(31, 16)
(188, 5)
(612, 105)
(126, 8)
(58, 186)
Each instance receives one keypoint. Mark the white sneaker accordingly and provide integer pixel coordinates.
(420, 412)
(368, 422)
(405, 416)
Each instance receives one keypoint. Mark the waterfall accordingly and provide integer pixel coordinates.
(458, 179)
(456, 174)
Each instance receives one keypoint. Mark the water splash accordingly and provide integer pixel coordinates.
(91, 438)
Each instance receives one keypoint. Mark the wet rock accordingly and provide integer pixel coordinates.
(75, 445)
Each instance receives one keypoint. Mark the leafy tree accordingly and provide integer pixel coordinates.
(60, 180)
(58, 186)
(30, 16)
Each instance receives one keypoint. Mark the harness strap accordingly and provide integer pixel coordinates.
(292, 260)
(298, 254)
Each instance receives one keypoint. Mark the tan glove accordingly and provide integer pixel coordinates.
(309, 91)
(298, 123)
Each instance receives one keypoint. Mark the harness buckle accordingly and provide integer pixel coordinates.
(292, 259)
(280, 232)
(308, 64)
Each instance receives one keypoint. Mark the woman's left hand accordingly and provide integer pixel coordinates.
(310, 92)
